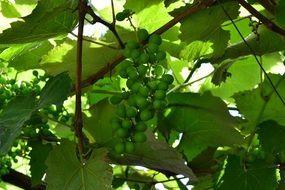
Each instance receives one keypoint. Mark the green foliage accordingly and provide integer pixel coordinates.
(167, 85)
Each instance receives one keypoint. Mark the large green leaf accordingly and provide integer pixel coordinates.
(38, 155)
(239, 176)
(204, 121)
(198, 27)
(66, 172)
(271, 136)
(55, 91)
(262, 103)
(12, 119)
(8, 10)
(148, 14)
(49, 19)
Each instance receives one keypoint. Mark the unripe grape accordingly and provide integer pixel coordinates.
(127, 124)
(162, 85)
(160, 94)
(139, 137)
(142, 70)
(135, 54)
(121, 111)
(160, 55)
(129, 147)
(159, 104)
(155, 38)
(122, 132)
(152, 47)
(120, 148)
(167, 78)
(132, 45)
(143, 91)
(132, 100)
(136, 86)
(127, 52)
(116, 99)
(158, 70)
(152, 85)
(141, 126)
(152, 58)
(130, 83)
(121, 16)
(131, 112)
(141, 102)
(144, 57)
(142, 34)
(146, 115)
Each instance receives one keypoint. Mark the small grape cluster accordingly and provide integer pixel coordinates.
(146, 93)
(126, 13)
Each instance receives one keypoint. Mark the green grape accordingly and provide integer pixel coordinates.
(167, 78)
(127, 124)
(156, 39)
(160, 94)
(120, 148)
(152, 47)
(132, 45)
(160, 55)
(116, 99)
(122, 132)
(135, 54)
(162, 85)
(127, 52)
(142, 70)
(142, 34)
(121, 16)
(146, 115)
(35, 73)
(132, 100)
(143, 91)
(152, 58)
(139, 137)
(159, 104)
(158, 70)
(144, 57)
(132, 72)
(153, 85)
(131, 112)
(141, 102)
(123, 74)
(140, 126)
(121, 111)
(136, 86)
(129, 147)
(130, 83)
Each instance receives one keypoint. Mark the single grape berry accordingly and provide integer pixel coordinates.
(143, 91)
(162, 85)
(131, 112)
(127, 124)
(160, 55)
(120, 148)
(141, 102)
(159, 104)
(142, 34)
(152, 47)
(129, 147)
(146, 115)
(121, 111)
(152, 85)
(158, 70)
(122, 133)
(155, 38)
(135, 54)
(139, 137)
(132, 45)
(160, 94)
(116, 99)
(167, 78)
(121, 16)
(144, 57)
(142, 70)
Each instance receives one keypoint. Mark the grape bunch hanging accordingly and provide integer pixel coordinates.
(147, 85)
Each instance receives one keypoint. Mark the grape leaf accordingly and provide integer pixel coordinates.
(262, 103)
(271, 136)
(12, 118)
(38, 155)
(258, 175)
(66, 172)
(49, 19)
(209, 31)
(55, 91)
(204, 121)
(8, 10)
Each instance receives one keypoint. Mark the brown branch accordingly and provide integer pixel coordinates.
(78, 107)
(20, 180)
(267, 5)
(100, 74)
(268, 23)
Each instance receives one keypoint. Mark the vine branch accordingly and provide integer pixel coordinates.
(268, 23)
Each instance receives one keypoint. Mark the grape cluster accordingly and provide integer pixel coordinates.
(146, 93)
(126, 13)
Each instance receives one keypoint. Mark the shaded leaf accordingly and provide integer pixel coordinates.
(49, 19)
(258, 175)
(66, 172)
(38, 154)
(280, 14)
(204, 121)
(55, 91)
(12, 118)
